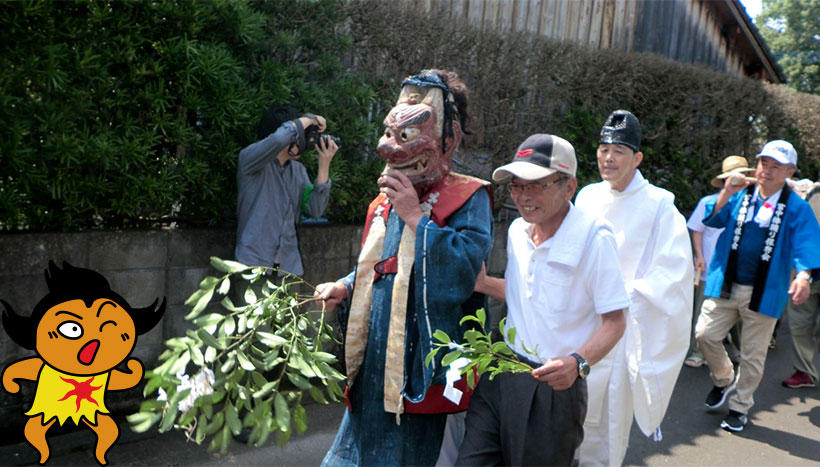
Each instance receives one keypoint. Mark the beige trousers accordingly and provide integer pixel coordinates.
(717, 317)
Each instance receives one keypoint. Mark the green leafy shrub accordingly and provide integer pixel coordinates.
(131, 114)
(520, 84)
(245, 367)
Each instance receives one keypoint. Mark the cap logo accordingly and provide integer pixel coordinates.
(524, 152)
(563, 166)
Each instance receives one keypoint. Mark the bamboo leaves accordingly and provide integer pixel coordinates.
(242, 366)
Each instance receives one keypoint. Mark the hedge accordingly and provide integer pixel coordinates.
(521, 84)
(130, 114)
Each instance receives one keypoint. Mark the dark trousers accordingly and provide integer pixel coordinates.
(517, 420)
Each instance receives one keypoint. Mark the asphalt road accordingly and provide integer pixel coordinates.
(784, 430)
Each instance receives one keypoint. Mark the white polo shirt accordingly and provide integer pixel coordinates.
(556, 291)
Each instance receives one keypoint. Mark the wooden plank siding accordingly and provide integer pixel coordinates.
(704, 32)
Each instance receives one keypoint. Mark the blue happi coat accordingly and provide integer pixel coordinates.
(797, 246)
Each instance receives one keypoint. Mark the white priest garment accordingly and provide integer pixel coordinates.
(639, 374)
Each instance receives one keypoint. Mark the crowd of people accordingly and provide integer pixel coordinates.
(602, 289)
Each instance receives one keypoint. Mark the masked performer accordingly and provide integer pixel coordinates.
(425, 238)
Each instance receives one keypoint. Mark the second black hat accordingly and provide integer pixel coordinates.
(622, 128)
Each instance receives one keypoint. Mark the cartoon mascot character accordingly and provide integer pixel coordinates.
(81, 330)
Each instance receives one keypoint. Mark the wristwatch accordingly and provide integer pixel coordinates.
(805, 275)
(583, 366)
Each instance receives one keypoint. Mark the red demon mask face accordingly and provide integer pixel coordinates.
(412, 141)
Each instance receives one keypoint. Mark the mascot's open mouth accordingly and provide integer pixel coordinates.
(88, 352)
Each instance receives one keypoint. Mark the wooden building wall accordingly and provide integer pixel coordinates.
(705, 32)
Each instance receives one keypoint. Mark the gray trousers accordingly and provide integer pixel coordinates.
(517, 420)
(802, 319)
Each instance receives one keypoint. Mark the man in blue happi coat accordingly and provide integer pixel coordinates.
(425, 238)
(768, 232)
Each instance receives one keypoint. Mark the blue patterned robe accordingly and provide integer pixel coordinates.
(454, 253)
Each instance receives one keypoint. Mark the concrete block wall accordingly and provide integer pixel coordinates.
(145, 265)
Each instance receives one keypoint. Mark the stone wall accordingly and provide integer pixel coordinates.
(141, 266)
(145, 265)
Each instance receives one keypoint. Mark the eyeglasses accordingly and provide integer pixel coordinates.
(532, 188)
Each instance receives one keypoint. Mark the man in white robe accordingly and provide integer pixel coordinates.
(639, 374)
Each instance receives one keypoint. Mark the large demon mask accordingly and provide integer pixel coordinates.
(422, 131)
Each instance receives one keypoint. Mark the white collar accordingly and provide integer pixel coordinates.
(635, 184)
(775, 196)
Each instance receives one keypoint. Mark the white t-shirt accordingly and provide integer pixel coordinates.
(556, 291)
(710, 234)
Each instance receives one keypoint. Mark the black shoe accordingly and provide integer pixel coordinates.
(717, 396)
(735, 421)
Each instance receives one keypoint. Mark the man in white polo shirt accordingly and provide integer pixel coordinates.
(565, 298)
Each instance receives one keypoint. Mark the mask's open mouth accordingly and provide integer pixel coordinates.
(416, 165)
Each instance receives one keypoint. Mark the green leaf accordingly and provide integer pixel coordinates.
(201, 303)
(335, 390)
(216, 424)
(209, 282)
(228, 326)
(298, 363)
(225, 286)
(258, 379)
(270, 339)
(194, 297)
(250, 296)
(441, 336)
(265, 390)
(230, 361)
(282, 437)
(482, 317)
(282, 412)
(169, 417)
(196, 356)
(317, 395)
(141, 422)
(227, 304)
(449, 357)
(227, 265)
(471, 379)
(300, 419)
(299, 381)
(209, 339)
(324, 357)
(232, 418)
(511, 335)
(210, 354)
(180, 364)
(499, 347)
(431, 355)
(467, 318)
(244, 362)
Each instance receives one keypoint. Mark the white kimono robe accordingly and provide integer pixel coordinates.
(639, 374)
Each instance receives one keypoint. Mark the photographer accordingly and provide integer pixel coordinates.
(273, 188)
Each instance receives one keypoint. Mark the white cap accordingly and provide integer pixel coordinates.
(781, 151)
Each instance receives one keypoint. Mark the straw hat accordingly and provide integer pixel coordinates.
(732, 165)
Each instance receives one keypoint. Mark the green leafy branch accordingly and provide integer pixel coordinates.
(244, 367)
(484, 354)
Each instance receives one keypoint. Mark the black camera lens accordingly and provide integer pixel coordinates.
(335, 139)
